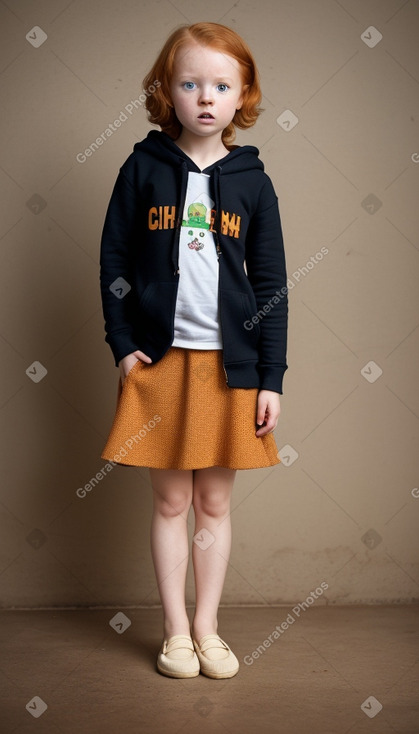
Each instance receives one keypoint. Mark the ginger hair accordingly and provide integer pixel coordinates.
(159, 105)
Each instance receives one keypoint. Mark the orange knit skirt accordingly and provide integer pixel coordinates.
(179, 413)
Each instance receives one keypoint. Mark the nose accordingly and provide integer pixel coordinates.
(206, 96)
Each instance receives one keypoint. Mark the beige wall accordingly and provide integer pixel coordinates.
(345, 511)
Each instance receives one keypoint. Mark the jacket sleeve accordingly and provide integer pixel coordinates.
(266, 270)
(116, 271)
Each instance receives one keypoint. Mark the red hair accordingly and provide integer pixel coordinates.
(159, 105)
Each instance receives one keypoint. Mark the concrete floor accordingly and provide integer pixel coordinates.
(328, 662)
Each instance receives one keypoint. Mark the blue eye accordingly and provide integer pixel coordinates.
(189, 85)
(222, 87)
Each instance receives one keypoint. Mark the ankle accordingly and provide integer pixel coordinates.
(176, 627)
(201, 627)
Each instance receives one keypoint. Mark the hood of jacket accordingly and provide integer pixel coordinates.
(159, 145)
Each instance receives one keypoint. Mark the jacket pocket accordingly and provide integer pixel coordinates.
(240, 333)
(155, 311)
(251, 315)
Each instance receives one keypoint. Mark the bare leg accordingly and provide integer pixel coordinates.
(172, 497)
(212, 490)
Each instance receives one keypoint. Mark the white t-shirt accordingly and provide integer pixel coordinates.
(196, 317)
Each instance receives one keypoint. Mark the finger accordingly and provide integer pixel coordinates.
(267, 428)
(125, 369)
(143, 357)
(261, 412)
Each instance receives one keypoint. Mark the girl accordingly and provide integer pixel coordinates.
(193, 283)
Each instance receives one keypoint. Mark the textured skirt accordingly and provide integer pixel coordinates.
(179, 413)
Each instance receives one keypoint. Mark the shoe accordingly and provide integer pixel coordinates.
(215, 657)
(177, 658)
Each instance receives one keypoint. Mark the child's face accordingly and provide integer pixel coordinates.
(206, 89)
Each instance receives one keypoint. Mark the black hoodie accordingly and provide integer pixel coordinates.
(139, 259)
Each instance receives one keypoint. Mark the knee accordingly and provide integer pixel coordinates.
(172, 504)
(211, 502)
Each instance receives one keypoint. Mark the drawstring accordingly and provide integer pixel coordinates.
(181, 205)
(217, 220)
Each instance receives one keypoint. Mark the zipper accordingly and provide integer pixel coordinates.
(226, 376)
(217, 225)
(221, 327)
(177, 229)
(217, 245)
(217, 209)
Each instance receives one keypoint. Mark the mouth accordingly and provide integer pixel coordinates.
(205, 116)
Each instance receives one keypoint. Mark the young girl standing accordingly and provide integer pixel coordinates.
(193, 282)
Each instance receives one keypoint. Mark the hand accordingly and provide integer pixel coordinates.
(128, 362)
(268, 410)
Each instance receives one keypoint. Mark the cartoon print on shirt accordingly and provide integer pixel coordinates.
(198, 217)
(196, 245)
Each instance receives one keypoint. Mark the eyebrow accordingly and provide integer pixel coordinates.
(217, 79)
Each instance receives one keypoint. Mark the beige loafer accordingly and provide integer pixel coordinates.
(215, 657)
(177, 658)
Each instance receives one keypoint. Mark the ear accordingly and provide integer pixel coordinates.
(243, 94)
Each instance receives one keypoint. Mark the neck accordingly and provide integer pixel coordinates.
(203, 151)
